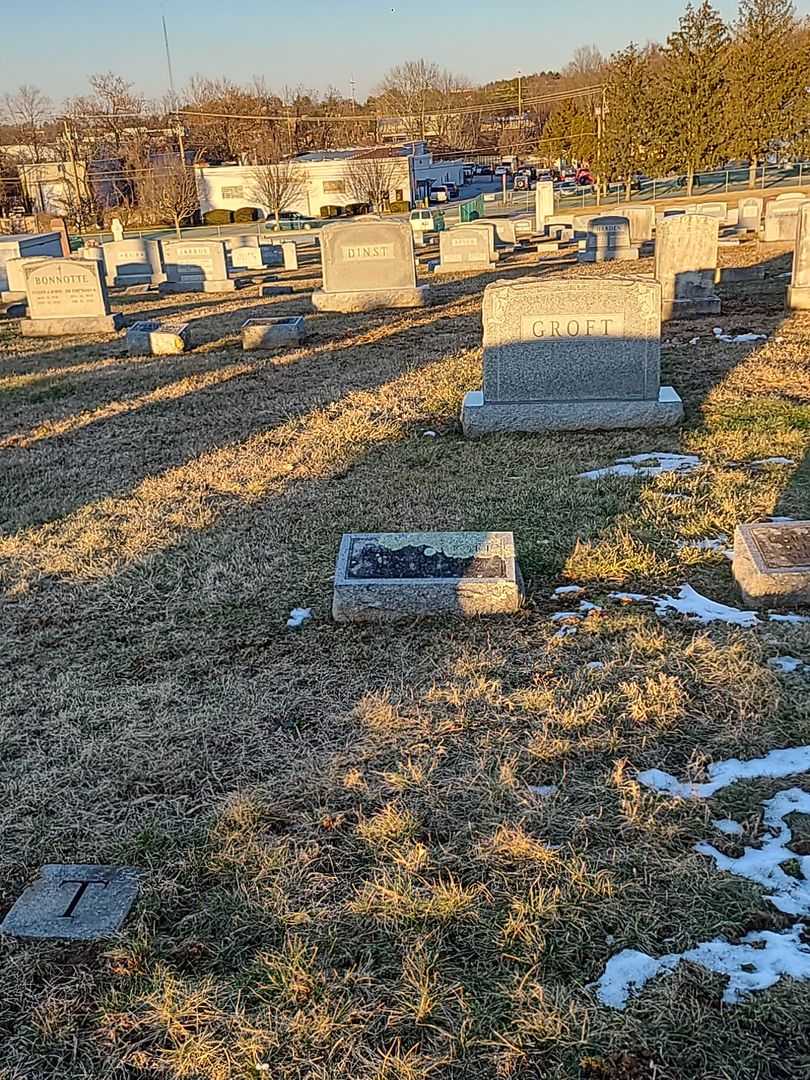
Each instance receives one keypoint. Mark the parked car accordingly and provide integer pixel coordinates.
(290, 219)
(452, 190)
(439, 193)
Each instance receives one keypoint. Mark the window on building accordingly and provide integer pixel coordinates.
(233, 193)
(399, 195)
(336, 187)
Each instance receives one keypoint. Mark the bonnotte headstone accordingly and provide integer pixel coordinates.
(67, 296)
(195, 266)
(571, 355)
(383, 576)
(368, 265)
(772, 563)
(685, 265)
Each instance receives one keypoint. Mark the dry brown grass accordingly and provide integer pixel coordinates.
(346, 872)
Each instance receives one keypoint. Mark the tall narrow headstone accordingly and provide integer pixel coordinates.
(798, 294)
(368, 265)
(574, 355)
(543, 204)
(67, 296)
(750, 215)
(685, 265)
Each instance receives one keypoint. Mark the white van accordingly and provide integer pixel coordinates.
(423, 221)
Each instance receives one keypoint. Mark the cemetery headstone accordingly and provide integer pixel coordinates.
(685, 265)
(772, 563)
(117, 230)
(133, 262)
(22, 245)
(750, 215)
(273, 333)
(15, 275)
(67, 296)
(798, 294)
(195, 266)
(247, 258)
(157, 337)
(495, 244)
(782, 218)
(468, 249)
(642, 222)
(608, 240)
(368, 265)
(505, 235)
(74, 902)
(716, 210)
(57, 225)
(543, 204)
(383, 576)
(289, 252)
(573, 355)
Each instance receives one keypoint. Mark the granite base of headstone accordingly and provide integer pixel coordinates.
(273, 333)
(388, 576)
(67, 297)
(571, 356)
(73, 902)
(772, 563)
(156, 337)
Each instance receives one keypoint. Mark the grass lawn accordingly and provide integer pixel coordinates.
(346, 872)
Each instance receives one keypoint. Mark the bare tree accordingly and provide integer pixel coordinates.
(276, 186)
(408, 91)
(370, 179)
(171, 192)
(28, 111)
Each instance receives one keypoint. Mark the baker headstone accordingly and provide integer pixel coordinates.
(368, 265)
(571, 355)
(798, 294)
(195, 266)
(468, 249)
(543, 204)
(383, 576)
(608, 240)
(67, 296)
(22, 245)
(73, 902)
(133, 262)
(685, 265)
(772, 563)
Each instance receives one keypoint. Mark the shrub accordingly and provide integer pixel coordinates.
(246, 213)
(353, 209)
(217, 217)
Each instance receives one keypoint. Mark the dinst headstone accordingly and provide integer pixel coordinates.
(67, 296)
(73, 902)
(157, 337)
(543, 205)
(782, 219)
(368, 265)
(798, 294)
(195, 266)
(273, 333)
(22, 245)
(384, 576)
(685, 265)
(133, 262)
(465, 250)
(15, 274)
(573, 355)
(642, 222)
(117, 230)
(750, 215)
(772, 563)
(608, 240)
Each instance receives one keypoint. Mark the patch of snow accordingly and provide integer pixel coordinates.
(429, 434)
(786, 664)
(781, 520)
(774, 461)
(692, 603)
(729, 827)
(759, 961)
(641, 465)
(776, 764)
(298, 616)
(543, 790)
(566, 631)
(791, 618)
(630, 598)
(694, 340)
(561, 616)
(586, 607)
(595, 665)
(568, 590)
(714, 543)
(737, 339)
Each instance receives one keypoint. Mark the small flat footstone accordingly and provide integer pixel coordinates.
(275, 290)
(371, 300)
(384, 576)
(74, 902)
(273, 333)
(772, 563)
(157, 338)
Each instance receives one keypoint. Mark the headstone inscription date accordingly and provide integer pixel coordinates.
(76, 902)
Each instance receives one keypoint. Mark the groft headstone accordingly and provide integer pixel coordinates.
(543, 204)
(468, 249)
(133, 262)
(608, 240)
(195, 266)
(382, 576)
(798, 294)
(22, 245)
(642, 222)
(67, 296)
(74, 902)
(571, 355)
(685, 265)
(273, 333)
(368, 265)
(772, 563)
(782, 219)
(157, 337)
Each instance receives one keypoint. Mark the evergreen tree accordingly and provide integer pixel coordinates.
(768, 80)
(629, 138)
(694, 87)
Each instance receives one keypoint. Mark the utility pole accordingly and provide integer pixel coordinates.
(520, 97)
(76, 187)
(351, 83)
(601, 113)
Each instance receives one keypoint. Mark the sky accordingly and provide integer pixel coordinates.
(55, 44)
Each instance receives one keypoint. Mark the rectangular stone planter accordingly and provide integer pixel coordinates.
(772, 563)
(386, 576)
(273, 333)
(157, 338)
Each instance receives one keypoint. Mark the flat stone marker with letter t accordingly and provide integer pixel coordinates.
(368, 265)
(73, 902)
(384, 576)
(772, 563)
(573, 355)
(67, 296)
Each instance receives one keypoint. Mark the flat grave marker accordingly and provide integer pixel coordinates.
(772, 563)
(273, 333)
(157, 337)
(74, 902)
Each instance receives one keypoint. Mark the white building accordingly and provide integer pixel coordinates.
(330, 178)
